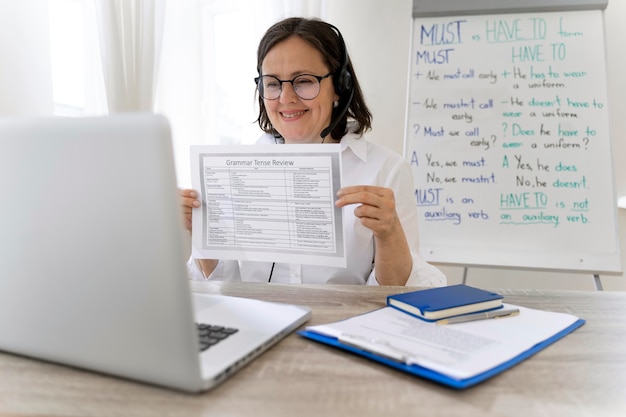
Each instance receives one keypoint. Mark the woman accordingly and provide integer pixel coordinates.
(309, 93)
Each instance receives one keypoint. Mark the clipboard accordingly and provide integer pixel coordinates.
(383, 355)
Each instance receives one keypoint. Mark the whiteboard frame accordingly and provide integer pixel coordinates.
(434, 8)
(599, 263)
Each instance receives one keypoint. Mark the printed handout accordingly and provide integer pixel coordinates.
(268, 203)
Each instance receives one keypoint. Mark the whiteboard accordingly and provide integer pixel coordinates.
(508, 138)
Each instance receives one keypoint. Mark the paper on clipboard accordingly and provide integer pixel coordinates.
(457, 351)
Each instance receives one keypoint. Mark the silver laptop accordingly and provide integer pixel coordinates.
(92, 258)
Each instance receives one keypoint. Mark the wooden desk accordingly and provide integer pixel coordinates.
(583, 374)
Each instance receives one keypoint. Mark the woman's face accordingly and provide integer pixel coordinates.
(298, 120)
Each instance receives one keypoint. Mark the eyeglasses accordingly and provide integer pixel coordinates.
(306, 86)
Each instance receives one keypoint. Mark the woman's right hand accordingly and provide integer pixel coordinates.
(189, 201)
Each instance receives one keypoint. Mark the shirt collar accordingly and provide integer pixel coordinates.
(357, 145)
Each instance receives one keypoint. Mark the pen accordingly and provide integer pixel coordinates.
(497, 314)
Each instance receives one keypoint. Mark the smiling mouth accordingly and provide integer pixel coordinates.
(292, 115)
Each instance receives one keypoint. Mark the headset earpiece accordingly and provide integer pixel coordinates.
(342, 77)
(344, 83)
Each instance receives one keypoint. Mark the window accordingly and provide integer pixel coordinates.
(77, 83)
(66, 54)
(206, 74)
(230, 34)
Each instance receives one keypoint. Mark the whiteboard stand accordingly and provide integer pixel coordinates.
(596, 279)
(597, 282)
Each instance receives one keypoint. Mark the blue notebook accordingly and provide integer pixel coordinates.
(444, 302)
(362, 335)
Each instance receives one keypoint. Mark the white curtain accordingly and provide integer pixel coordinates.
(130, 44)
(191, 60)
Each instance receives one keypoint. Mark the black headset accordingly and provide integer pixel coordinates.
(342, 81)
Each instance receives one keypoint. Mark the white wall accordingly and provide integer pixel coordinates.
(378, 34)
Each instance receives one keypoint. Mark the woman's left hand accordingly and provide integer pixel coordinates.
(377, 209)
(377, 212)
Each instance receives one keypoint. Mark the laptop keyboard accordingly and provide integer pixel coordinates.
(210, 335)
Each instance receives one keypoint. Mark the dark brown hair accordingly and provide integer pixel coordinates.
(326, 39)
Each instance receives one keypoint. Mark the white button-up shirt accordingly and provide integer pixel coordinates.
(363, 163)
